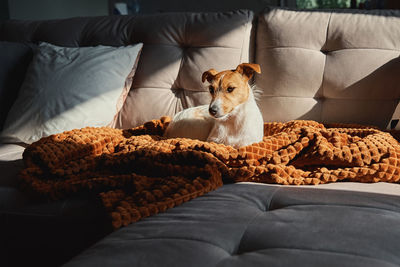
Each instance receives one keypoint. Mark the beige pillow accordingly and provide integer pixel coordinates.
(71, 87)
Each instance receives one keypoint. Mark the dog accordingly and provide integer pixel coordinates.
(232, 118)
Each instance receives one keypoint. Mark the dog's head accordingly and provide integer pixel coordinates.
(229, 88)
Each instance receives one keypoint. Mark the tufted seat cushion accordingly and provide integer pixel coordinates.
(45, 233)
(329, 66)
(260, 225)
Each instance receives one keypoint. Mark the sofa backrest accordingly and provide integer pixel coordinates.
(177, 49)
(329, 66)
(340, 66)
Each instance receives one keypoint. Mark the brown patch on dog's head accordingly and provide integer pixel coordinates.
(229, 88)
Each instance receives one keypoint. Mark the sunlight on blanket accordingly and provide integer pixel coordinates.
(138, 173)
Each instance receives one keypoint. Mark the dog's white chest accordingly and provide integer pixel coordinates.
(242, 128)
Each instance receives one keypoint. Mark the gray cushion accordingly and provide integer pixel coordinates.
(260, 225)
(15, 59)
(45, 233)
(71, 87)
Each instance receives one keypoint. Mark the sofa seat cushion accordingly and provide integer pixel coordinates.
(50, 233)
(253, 225)
(10, 163)
(46, 233)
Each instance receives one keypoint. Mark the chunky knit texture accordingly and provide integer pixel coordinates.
(138, 173)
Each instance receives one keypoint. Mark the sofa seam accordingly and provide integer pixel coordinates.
(328, 51)
(194, 46)
(334, 98)
(235, 252)
(165, 88)
(324, 251)
(181, 98)
(256, 216)
(253, 39)
(271, 198)
(179, 238)
(324, 70)
(341, 205)
(247, 25)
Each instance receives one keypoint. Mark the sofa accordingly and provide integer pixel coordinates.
(330, 66)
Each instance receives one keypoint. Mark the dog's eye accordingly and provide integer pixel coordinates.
(211, 88)
(230, 89)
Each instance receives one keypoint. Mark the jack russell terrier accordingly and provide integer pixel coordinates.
(232, 118)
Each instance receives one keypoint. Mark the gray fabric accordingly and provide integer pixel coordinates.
(36, 231)
(15, 59)
(42, 233)
(70, 87)
(10, 163)
(253, 225)
(379, 188)
(241, 224)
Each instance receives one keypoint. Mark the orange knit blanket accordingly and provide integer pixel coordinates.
(138, 173)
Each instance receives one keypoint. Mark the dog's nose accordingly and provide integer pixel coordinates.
(212, 110)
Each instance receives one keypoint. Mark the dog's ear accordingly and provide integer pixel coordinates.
(248, 69)
(208, 75)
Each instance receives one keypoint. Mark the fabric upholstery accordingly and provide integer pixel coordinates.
(253, 225)
(394, 122)
(237, 225)
(69, 87)
(15, 59)
(168, 171)
(49, 233)
(168, 77)
(10, 163)
(10, 166)
(339, 66)
(46, 233)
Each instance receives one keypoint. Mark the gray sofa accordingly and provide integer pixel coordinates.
(328, 66)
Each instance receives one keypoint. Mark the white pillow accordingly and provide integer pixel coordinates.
(70, 87)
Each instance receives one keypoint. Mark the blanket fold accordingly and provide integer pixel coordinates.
(138, 173)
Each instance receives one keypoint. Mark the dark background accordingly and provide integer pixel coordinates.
(53, 9)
